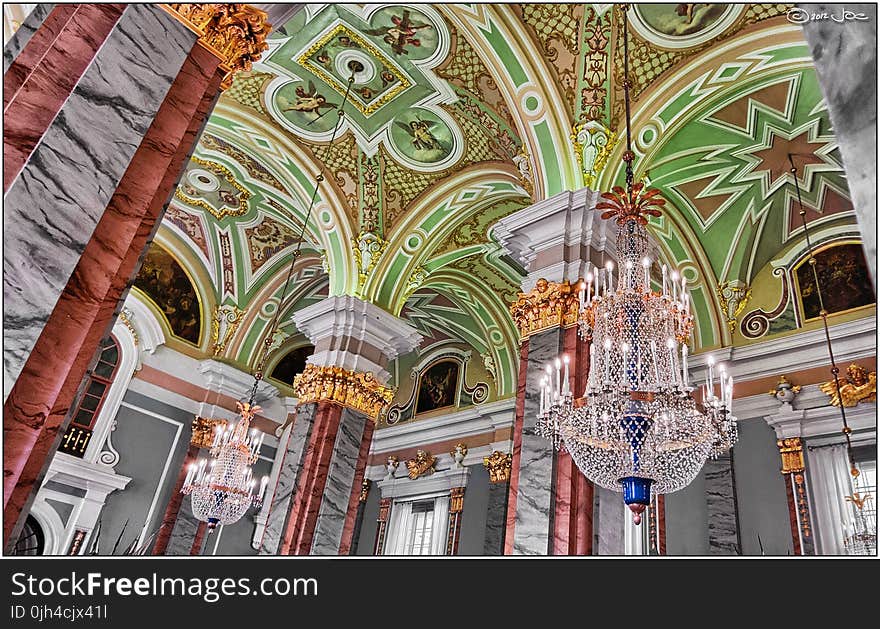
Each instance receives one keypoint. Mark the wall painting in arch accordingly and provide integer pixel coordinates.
(293, 363)
(843, 278)
(164, 281)
(438, 386)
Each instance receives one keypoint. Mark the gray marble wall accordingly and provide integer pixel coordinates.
(340, 478)
(52, 207)
(723, 527)
(293, 453)
(533, 496)
(496, 513)
(184, 532)
(845, 54)
(608, 522)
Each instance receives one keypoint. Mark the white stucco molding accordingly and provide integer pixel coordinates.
(356, 321)
(148, 328)
(851, 341)
(475, 420)
(442, 481)
(554, 237)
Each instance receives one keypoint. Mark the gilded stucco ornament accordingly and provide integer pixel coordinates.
(352, 389)
(236, 33)
(459, 452)
(593, 143)
(733, 296)
(391, 464)
(498, 465)
(858, 386)
(367, 248)
(547, 305)
(203, 431)
(792, 453)
(223, 325)
(421, 465)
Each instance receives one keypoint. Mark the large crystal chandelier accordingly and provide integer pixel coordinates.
(641, 425)
(224, 489)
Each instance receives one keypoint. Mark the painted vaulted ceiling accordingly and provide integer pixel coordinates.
(465, 113)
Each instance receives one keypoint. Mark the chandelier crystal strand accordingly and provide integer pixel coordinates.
(641, 426)
(224, 489)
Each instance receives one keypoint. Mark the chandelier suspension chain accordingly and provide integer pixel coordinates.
(355, 67)
(824, 314)
(629, 156)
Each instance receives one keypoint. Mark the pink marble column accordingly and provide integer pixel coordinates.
(174, 504)
(360, 469)
(36, 409)
(297, 539)
(517, 447)
(42, 76)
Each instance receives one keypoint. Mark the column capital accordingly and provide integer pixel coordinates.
(547, 305)
(556, 237)
(792, 453)
(353, 389)
(234, 33)
(498, 465)
(355, 335)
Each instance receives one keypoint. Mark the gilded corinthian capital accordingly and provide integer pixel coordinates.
(547, 305)
(356, 390)
(236, 33)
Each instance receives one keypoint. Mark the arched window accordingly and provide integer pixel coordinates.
(31, 541)
(79, 432)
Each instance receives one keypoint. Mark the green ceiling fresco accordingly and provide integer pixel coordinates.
(466, 113)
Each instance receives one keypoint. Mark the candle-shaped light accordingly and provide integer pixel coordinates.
(609, 266)
(646, 265)
(684, 295)
(710, 374)
(722, 381)
(565, 386)
(607, 359)
(664, 280)
(582, 294)
(673, 360)
(596, 292)
(674, 285)
(684, 365)
(588, 285)
(558, 364)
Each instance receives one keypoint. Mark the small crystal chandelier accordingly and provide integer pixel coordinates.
(638, 428)
(223, 490)
(861, 533)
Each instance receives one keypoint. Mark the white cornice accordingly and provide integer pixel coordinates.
(476, 420)
(562, 222)
(851, 341)
(75, 472)
(436, 482)
(344, 316)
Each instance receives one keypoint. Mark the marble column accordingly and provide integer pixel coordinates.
(721, 503)
(291, 447)
(498, 464)
(610, 518)
(172, 510)
(845, 55)
(550, 504)
(345, 378)
(102, 111)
